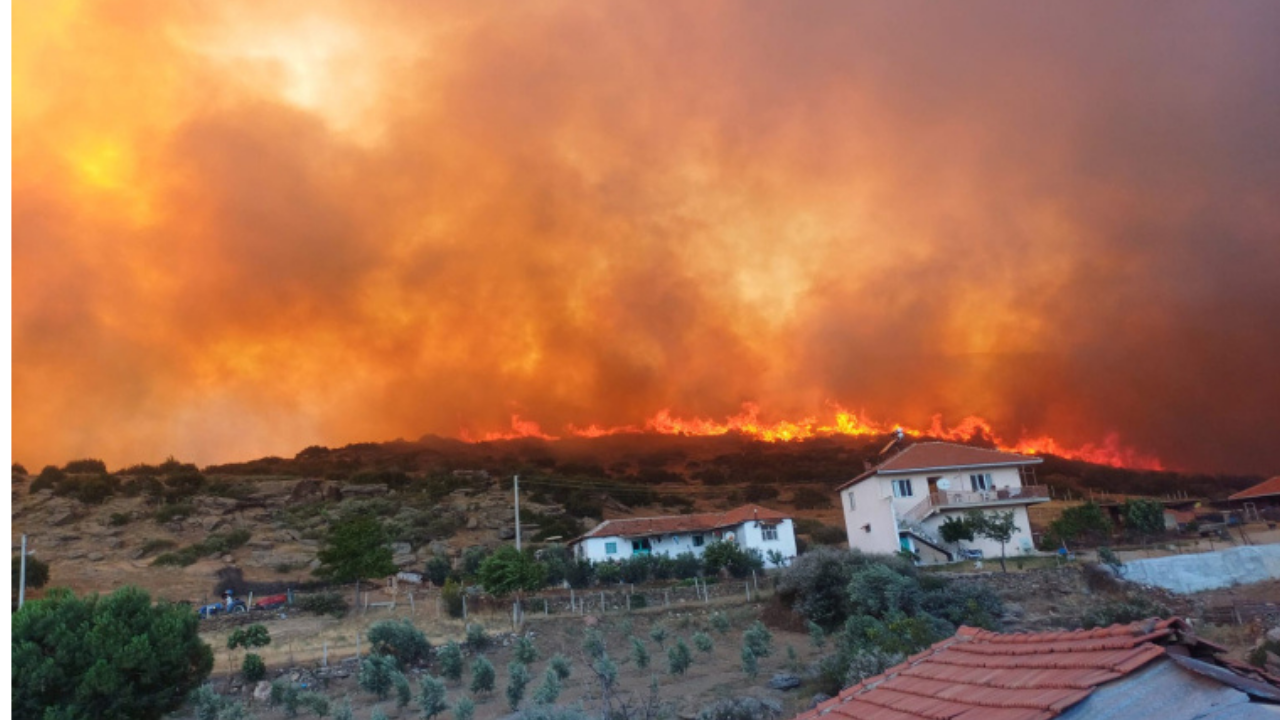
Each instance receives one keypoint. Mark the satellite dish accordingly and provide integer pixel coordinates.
(728, 536)
(944, 484)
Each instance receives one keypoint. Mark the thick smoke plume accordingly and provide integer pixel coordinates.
(243, 228)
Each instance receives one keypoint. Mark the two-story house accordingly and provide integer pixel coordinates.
(899, 504)
(749, 526)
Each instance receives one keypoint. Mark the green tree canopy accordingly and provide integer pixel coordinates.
(356, 548)
(1144, 517)
(998, 526)
(109, 657)
(508, 570)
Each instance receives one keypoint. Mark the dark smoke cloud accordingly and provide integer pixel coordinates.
(243, 230)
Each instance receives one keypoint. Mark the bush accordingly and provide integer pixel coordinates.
(173, 512)
(517, 680)
(686, 565)
(156, 544)
(37, 572)
(702, 641)
(830, 535)
(742, 708)
(450, 657)
(287, 694)
(254, 636)
(560, 664)
(19, 469)
(524, 651)
(549, 690)
(431, 696)
(1084, 522)
(759, 639)
(658, 634)
(608, 573)
(451, 594)
(477, 638)
(378, 675)
(400, 640)
(114, 656)
(639, 653)
(482, 676)
(679, 658)
(437, 571)
(729, 556)
(1131, 609)
(750, 666)
(330, 603)
(253, 668)
(316, 702)
(464, 709)
(119, 519)
(720, 623)
(86, 467)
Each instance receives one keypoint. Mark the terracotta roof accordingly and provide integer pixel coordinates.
(636, 527)
(1262, 489)
(982, 675)
(944, 456)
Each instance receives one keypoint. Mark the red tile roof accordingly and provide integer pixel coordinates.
(983, 675)
(636, 527)
(944, 456)
(1262, 489)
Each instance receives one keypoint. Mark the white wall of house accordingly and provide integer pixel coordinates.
(1020, 544)
(746, 535)
(959, 481)
(867, 504)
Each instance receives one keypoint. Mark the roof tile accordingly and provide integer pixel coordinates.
(634, 527)
(1262, 489)
(983, 675)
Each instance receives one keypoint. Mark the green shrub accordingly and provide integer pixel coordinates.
(323, 604)
(437, 571)
(464, 709)
(639, 653)
(400, 640)
(37, 572)
(517, 681)
(679, 658)
(482, 676)
(524, 651)
(658, 634)
(155, 545)
(431, 696)
(759, 639)
(703, 642)
(452, 597)
(549, 690)
(119, 519)
(378, 675)
(86, 467)
(1130, 609)
(561, 665)
(173, 512)
(253, 636)
(315, 702)
(720, 622)
(477, 638)
(450, 657)
(253, 668)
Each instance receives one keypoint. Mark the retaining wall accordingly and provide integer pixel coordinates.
(1207, 571)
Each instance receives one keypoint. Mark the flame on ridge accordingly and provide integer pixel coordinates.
(1109, 452)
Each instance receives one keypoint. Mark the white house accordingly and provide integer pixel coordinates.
(750, 526)
(899, 504)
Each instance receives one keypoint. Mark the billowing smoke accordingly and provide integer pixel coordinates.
(241, 230)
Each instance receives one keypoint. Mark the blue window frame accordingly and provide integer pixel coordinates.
(611, 548)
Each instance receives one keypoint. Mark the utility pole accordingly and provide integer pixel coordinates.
(516, 486)
(22, 573)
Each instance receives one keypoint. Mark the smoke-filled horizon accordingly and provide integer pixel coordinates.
(240, 229)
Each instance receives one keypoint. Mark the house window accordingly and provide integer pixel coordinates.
(698, 541)
(902, 488)
(980, 482)
(610, 548)
(852, 506)
(769, 532)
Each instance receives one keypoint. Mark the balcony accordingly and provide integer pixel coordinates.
(958, 500)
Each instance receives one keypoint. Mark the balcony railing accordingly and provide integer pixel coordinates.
(950, 499)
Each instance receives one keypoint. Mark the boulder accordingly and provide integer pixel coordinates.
(405, 559)
(308, 490)
(473, 523)
(401, 548)
(94, 557)
(262, 691)
(818, 699)
(439, 548)
(212, 523)
(62, 516)
(506, 533)
(211, 505)
(364, 490)
(784, 681)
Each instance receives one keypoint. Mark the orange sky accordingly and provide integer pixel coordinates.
(242, 228)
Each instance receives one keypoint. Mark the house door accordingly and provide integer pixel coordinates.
(933, 485)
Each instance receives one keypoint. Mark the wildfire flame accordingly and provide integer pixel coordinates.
(844, 422)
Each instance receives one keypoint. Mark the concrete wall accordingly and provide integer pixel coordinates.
(869, 503)
(1207, 571)
(746, 535)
